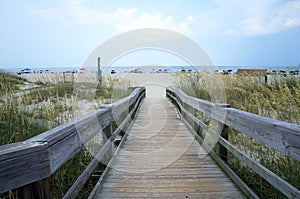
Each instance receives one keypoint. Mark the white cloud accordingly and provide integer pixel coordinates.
(292, 12)
(123, 19)
(249, 17)
(224, 15)
(292, 22)
(268, 19)
(135, 20)
(190, 18)
(74, 13)
(233, 17)
(49, 14)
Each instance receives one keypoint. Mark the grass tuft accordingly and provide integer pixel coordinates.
(25, 113)
(279, 98)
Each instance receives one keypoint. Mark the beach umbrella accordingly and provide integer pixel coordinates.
(82, 70)
(26, 70)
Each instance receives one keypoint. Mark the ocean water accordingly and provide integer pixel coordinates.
(122, 69)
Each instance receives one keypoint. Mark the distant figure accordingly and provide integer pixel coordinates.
(183, 70)
(253, 72)
(113, 72)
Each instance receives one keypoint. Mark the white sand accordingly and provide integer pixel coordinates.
(44, 77)
(155, 83)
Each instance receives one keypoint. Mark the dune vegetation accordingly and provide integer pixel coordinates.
(278, 98)
(30, 108)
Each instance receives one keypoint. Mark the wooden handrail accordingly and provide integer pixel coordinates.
(281, 136)
(39, 157)
(76, 187)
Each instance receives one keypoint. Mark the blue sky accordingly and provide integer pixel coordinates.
(232, 32)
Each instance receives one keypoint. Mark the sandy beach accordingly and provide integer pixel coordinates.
(155, 83)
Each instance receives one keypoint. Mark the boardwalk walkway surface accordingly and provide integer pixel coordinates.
(160, 159)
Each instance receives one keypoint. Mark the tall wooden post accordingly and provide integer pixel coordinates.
(106, 138)
(221, 150)
(195, 124)
(99, 75)
(223, 128)
(35, 190)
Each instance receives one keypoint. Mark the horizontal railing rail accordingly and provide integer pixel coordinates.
(281, 136)
(28, 164)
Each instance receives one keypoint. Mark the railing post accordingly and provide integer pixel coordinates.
(183, 107)
(107, 133)
(221, 150)
(223, 128)
(195, 124)
(35, 190)
(133, 114)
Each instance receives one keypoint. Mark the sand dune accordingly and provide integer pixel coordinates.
(155, 83)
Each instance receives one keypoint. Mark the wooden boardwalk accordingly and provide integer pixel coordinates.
(160, 159)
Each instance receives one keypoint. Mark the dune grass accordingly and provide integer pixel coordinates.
(29, 112)
(279, 98)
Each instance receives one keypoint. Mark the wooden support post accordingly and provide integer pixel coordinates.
(99, 73)
(35, 190)
(64, 77)
(73, 77)
(183, 107)
(266, 79)
(106, 135)
(195, 124)
(135, 111)
(221, 150)
(129, 110)
(223, 128)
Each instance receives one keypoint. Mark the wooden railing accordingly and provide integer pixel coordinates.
(27, 165)
(281, 136)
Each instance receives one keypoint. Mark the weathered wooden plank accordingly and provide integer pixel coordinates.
(172, 195)
(124, 104)
(198, 104)
(282, 136)
(88, 122)
(283, 186)
(62, 151)
(188, 114)
(108, 168)
(84, 176)
(162, 171)
(26, 163)
(164, 185)
(211, 189)
(37, 158)
(279, 135)
(18, 149)
(221, 150)
(103, 155)
(173, 172)
(66, 140)
(158, 182)
(238, 181)
(35, 190)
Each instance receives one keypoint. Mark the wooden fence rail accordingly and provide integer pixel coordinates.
(28, 164)
(281, 136)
